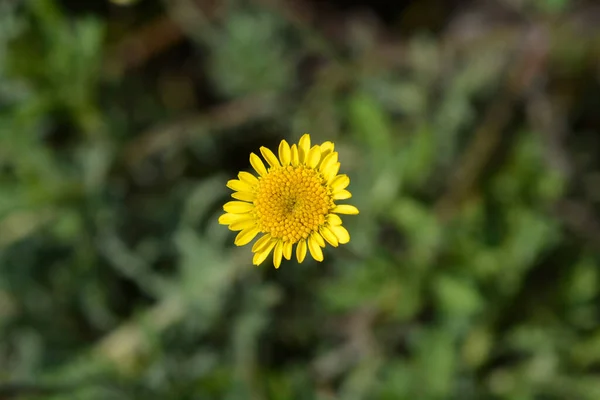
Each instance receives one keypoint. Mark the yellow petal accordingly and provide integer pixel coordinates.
(287, 250)
(334, 219)
(303, 147)
(340, 182)
(318, 238)
(262, 255)
(328, 161)
(327, 147)
(313, 157)
(277, 253)
(342, 195)
(241, 225)
(261, 243)
(328, 236)
(246, 236)
(341, 233)
(301, 250)
(257, 164)
(285, 153)
(238, 207)
(331, 172)
(227, 219)
(248, 178)
(315, 249)
(238, 186)
(270, 157)
(244, 196)
(295, 157)
(345, 209)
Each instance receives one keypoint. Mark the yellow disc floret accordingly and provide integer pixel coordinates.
(291, 203)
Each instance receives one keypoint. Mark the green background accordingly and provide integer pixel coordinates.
(470, 132)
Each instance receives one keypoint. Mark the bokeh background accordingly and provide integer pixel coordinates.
(470, 131)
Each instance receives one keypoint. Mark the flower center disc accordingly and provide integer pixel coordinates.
(291, 202)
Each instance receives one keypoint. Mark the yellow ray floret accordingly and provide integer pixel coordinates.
(291, 201)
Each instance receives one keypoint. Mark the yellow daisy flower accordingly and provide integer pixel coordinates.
(290, 202)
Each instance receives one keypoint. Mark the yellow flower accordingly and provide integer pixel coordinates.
(290, 202)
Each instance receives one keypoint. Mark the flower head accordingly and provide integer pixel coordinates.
(292, 201)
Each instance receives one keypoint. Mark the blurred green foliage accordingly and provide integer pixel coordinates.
(473, 267)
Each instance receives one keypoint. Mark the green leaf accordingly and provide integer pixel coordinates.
(249, 55)
(369, 122)
(434, 365)
(419, 157)
(457, 298)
